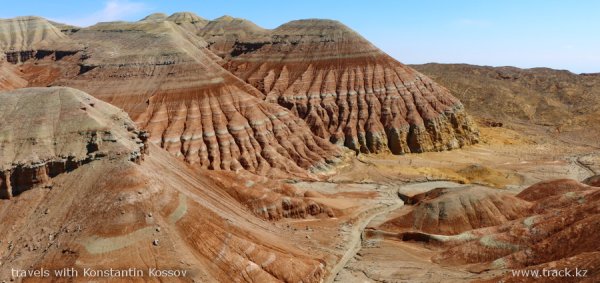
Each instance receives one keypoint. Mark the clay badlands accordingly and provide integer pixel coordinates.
(199, 150)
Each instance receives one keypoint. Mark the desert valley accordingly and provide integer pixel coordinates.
(221, 151)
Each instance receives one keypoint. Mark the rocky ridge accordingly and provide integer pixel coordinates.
(155, 17)
(224, 34)
(561, 100)
(27, 33)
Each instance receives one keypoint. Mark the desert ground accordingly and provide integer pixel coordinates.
(507, 161)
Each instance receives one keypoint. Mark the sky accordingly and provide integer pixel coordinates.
(559, 34)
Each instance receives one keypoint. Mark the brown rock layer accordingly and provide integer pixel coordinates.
(547, 189)
(346, 89)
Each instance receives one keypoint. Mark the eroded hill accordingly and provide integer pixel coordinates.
(279, 122)
(169, 83)
(347, 90)
(97, 196)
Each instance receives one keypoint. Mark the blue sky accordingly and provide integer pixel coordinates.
(526, 33)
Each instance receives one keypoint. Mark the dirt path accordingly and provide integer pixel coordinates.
(389, 257)
(576, 159)
(355, 243)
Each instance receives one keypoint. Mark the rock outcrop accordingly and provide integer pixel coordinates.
(65, 28)
(168, 82)
(565, 225)
(346, 89)
(49, 131)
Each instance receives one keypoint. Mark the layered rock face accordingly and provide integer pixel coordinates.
(159, 210)
(35, 53)
(563, 227)
(22, 37)
(166, 79)
(49, 131)
(27, 33)
(109, 212)
(346, 89)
